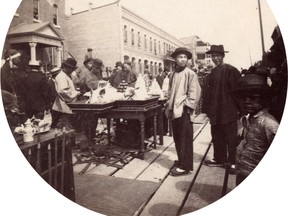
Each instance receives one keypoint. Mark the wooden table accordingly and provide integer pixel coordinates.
(51, 156)
(139, 114)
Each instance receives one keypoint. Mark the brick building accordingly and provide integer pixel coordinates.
(36, 29)
(115, 34)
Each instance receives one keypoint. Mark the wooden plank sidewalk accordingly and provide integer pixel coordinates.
(176, 195)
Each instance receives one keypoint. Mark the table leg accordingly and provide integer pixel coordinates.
(142, 136)
(160, 126)
(108, 131)
(155, 130)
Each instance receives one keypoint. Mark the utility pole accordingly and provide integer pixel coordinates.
(261, 28)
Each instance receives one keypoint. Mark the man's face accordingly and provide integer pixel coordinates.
(252, 103)
(89, 65)
(126, 67)
(181, 60)
(68, 70)
(217, 58)
(17, 61)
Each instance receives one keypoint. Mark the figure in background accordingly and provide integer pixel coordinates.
(81, 73)
(183, 96)
(36, 98)
(124, 75)
(222, 109)
(160, 77)
(88, 54)
(66, 92)
(13, 74)
(118, 68)
(253, 94)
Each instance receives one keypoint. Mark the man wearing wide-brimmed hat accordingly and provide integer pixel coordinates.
(260, 127)
(222, 109)
(80, 74)
(66, 92)
(183, 96)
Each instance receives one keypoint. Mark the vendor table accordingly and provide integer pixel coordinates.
(137, 113)
(51, 156)
(141, 115)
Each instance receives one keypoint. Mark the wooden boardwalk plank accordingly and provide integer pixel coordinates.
(137, 166)
(169, 197)
(207, 187)
(160, 168)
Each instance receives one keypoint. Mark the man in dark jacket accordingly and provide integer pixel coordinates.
(222, 109)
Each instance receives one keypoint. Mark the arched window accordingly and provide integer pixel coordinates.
(155, 47)
(55, 14)
(36, 10)
(139, 39)
(125, 34)
(132, 37)
(145, 42)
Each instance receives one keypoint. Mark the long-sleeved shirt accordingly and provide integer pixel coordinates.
(258, 134)
(65, 93)
(184, 89)
(221, 107)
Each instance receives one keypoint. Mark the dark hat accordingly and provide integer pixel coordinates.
(70, 62)
(87, 60)
(251, 83)
(118, 64)
(217, 49)
(89, 49)
(55, 71)
(181, 50)
(97, 63)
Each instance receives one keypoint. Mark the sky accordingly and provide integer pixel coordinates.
(233, 23)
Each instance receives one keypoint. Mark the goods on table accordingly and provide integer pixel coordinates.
(39, 125)
(104, 95)
(155, 89)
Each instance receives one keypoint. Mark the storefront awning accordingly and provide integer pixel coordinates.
(43, 33)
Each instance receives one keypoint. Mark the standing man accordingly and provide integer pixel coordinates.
(222, 109)
(65, 93)
(88, 54)
(184, 93)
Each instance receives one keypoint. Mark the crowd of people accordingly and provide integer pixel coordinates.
(244, 107)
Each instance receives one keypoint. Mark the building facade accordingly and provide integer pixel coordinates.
(36, 30)
(199, 49)
(117, 34)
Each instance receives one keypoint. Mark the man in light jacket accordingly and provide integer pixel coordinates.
(183, 96)
(66, 93)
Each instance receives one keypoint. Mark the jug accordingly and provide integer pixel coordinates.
(28, 131)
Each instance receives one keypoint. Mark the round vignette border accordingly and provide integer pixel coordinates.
(230, 201)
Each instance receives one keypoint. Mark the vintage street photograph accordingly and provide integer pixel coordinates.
(143, 108)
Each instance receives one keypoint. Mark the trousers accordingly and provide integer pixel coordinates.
(224, 138)
(183, 137)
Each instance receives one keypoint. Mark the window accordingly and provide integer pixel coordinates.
(139, 39)
(200, 56)
(145, 42)
(36, 11)
(151, 45)
(132, 37)
(164, 47)
(159, 47)
(55, 14)
(155, 47)
(125, 34)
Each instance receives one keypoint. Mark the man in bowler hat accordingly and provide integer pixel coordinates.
(183, 96)
(222, 109)
(66, 93)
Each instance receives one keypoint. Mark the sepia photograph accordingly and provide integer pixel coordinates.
(143, 108)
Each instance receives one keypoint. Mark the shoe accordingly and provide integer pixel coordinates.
(175, 171)
(213, 163)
